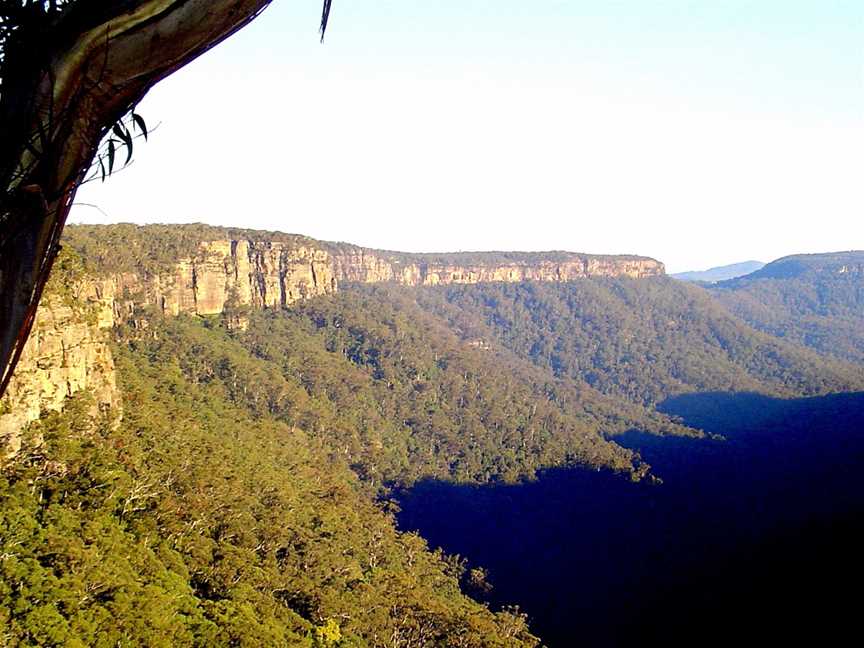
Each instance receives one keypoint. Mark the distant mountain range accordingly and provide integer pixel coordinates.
(720, 273)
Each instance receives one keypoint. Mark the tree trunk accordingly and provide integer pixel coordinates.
(61, 92)
(23, 254)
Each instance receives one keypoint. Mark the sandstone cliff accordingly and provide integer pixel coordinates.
(67, 352)
(371, 266)
(274, 274)
(212, 269)
(223, 274)
(202, 270)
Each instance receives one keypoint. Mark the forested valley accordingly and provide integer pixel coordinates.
(599, 462)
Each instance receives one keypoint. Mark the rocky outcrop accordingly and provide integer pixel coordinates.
(256, 273)
(67, 352)
(225, 274)
(370, 266)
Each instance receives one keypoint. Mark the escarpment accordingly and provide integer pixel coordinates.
(119, 274)
(222, 275)
(202, 270)
(67, 353)
(272, 274)
(371, 266)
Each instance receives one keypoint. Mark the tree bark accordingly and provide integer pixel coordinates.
(61, 94)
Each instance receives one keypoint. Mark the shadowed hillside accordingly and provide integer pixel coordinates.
(757, 536)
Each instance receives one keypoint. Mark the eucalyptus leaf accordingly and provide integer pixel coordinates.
(140, 123)
(112, 150)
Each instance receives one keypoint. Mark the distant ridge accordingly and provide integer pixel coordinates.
(816, 300)
(798, 265)
(720, 273)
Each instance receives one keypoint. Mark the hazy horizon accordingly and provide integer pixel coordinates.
(699, 136)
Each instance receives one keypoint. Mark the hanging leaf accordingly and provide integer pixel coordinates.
(121, 132)
(325, 17)
(28, 145)
(112, 149)
(102, 168)
(140, 123)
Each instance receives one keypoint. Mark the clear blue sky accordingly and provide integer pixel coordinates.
(700, 133)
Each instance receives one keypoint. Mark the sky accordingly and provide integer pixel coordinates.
(699, 133)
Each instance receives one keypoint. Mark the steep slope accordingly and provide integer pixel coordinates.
(225, 508)
(269, 409)
(814, 300)
(200, 522)
(643, 340)
(67, 352)
(404, 398)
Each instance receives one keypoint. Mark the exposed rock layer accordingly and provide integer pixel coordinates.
(68, 350)
(225, 274)
(66, 353)
(368, 266)
(270, 274)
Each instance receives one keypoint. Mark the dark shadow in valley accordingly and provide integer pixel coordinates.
(757, 537)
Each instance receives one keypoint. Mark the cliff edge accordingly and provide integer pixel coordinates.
(203, 270)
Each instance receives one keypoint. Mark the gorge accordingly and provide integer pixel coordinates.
(225, 437)
(219, 270)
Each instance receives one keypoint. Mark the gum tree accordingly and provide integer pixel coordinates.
(71, 73)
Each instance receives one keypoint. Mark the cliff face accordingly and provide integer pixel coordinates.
(224, 274)
(370, 266)
(67, 352)
(205, 275)
(248, 270)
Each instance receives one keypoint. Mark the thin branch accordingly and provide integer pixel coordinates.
(92, 206)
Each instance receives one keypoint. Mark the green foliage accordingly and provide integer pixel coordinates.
(644, 339)
(327, 635)
(153, 249)
(815, 301)
(475, 258)
(66, 284)
(73, 571)
(401, 397)
(200, 521)
(242, 499)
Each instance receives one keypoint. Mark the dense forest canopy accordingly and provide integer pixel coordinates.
(209, 517)
(245, 497)
(644, 340)
(815, 300)
(248, 494)
(798, 265)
